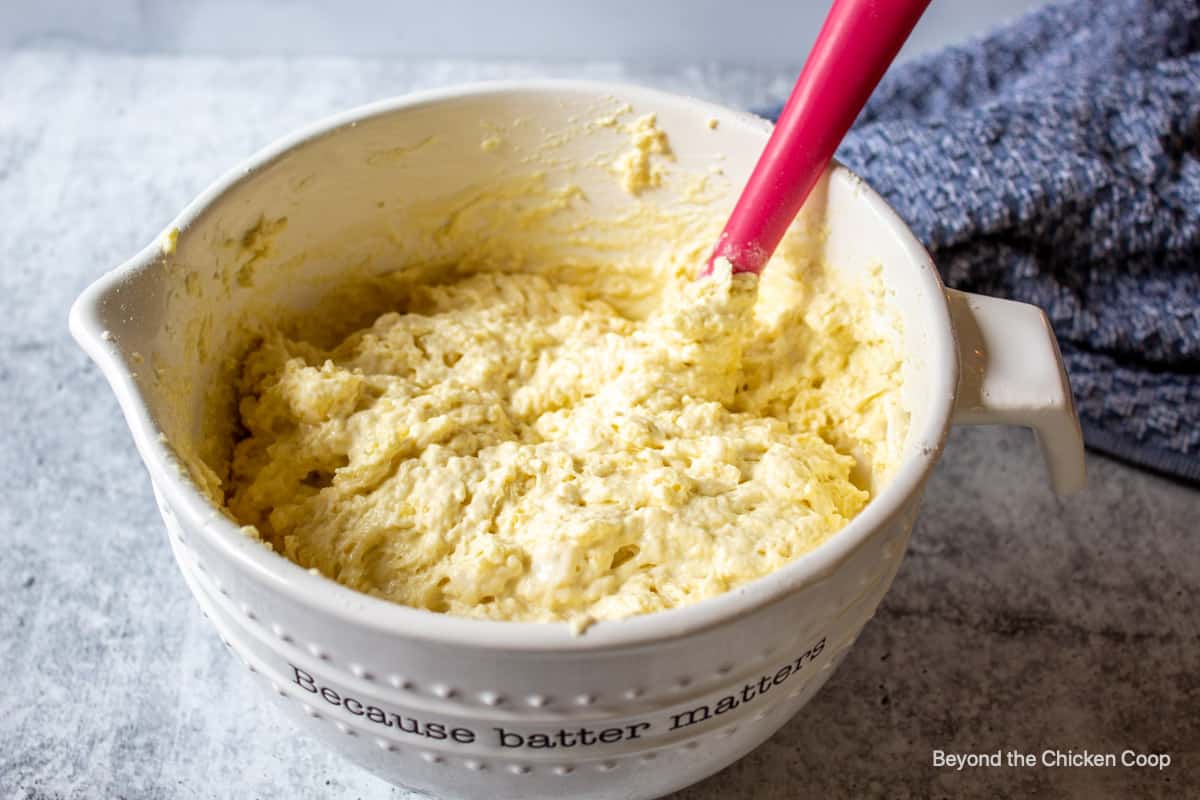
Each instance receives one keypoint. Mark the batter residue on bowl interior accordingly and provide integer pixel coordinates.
(558, 445)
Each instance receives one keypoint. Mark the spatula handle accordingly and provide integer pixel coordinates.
(856, 45)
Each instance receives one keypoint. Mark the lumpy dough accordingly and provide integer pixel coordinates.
(515, 446)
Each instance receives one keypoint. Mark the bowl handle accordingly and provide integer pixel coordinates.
(1011, 373)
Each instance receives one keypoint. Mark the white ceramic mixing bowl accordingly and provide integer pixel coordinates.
(469, 708)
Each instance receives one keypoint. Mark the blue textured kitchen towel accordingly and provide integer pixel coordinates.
(1057, 161)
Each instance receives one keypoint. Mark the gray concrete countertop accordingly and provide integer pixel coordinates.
(1018, 621)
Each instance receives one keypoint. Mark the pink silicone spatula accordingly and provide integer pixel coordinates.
(855, 47)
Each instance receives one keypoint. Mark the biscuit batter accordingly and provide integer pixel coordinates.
(521, 446)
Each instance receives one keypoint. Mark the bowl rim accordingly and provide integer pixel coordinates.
(377, 615)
